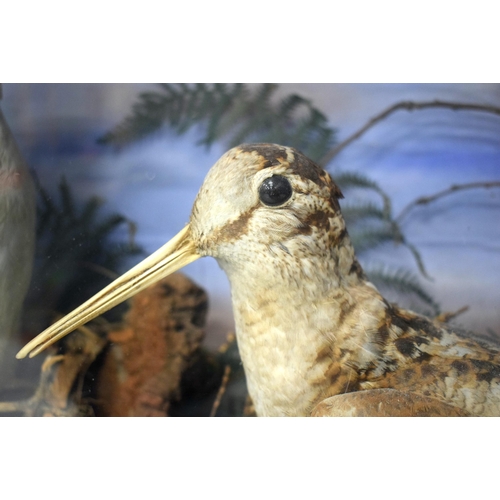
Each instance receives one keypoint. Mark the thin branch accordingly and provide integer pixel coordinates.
(221, 391)
(418, 259)
(445, 317)
(408, 106)
(424, 200)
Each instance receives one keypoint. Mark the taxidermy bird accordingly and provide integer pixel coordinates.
(316, 337)
(17, 238)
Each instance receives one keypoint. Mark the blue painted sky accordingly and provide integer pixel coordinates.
(410, 154)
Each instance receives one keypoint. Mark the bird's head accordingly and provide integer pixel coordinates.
(257, 200)
(265, 198)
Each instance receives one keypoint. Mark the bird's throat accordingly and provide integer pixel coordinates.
(293, 318)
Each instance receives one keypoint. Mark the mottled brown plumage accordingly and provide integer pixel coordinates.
(315, 336)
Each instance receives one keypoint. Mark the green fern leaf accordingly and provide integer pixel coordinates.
(402, 282)
(235, 113)
(351, 179)
(361, 212)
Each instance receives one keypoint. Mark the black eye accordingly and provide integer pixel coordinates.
(275, 191)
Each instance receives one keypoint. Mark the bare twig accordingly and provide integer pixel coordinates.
(445, 317)
(408, 106)
(424, 200)
(221, 391)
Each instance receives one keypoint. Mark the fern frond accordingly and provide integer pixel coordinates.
(356, 212)
(352, 179)
(67, 203)
(90, 209)
(402, 282)
(107, 226)
(288, 106)
(234, 113)
(69, 236)
(369, 239)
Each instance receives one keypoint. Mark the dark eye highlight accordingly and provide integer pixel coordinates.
(275, 191)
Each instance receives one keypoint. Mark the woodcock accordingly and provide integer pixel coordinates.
(316, 337)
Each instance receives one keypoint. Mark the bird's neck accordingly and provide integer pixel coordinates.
(298, 318)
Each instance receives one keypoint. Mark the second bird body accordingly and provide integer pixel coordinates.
(315, 336)
(17, 240)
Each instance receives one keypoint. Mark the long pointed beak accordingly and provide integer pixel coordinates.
(172, 256)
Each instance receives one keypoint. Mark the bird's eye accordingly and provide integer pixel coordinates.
(275, 191)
